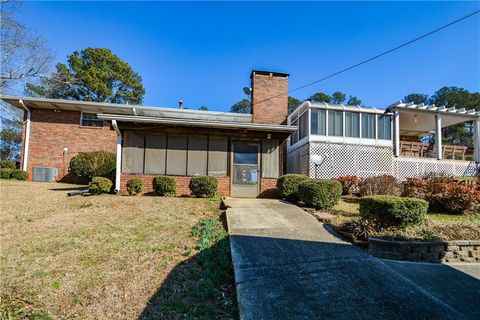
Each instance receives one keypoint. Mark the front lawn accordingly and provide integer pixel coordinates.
(111, 257)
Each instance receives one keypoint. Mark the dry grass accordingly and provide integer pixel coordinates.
(98, 257)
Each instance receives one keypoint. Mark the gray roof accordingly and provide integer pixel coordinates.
(154, 115)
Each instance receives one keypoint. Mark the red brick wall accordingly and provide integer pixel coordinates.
(275, 110)
(268, 188)
(182, 184)
(51, 131)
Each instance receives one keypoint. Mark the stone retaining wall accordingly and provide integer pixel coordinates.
(430, 251)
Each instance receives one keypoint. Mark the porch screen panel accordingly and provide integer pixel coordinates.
(155, 152)
(270, 160)
(132, 158)
(335, 123)
(176, 155)
(384, 128)
(303, 126)
(217, 156)
(352, 124)
(197, 156)
(368, 126)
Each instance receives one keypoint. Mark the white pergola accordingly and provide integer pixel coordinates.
(420, 119)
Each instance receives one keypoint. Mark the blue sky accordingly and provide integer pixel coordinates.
(203, 52)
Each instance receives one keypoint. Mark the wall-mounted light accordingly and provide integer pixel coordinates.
(65, 149)
(415, 118)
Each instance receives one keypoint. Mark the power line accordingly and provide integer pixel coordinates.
(370, 59)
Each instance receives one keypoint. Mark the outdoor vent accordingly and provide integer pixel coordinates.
(44, 174)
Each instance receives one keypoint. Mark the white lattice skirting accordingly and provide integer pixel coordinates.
(366, 161)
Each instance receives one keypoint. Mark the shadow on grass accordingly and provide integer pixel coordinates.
(201, 287)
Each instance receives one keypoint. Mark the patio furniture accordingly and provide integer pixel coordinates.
(454, 152)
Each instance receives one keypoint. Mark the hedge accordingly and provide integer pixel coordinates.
(380, 185)
(134, 186)
(320, 194)
(19, 175)
(203, 186)
(165, 186)
(93, 164)
(5, 173)
(9, 164)
(287, 186)
(393, 211)
(100, 185)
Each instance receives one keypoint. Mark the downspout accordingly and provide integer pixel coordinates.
(118, 169)
(27, 136)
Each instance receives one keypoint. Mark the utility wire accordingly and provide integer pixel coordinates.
(370, 59)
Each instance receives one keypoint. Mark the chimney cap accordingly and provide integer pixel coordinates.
(269, 73)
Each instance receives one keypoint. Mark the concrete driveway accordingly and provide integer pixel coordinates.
(289, 266)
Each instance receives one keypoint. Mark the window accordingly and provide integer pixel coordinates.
(133, 152)
(294, 137)
(197, 155)
(155, 153)
(303, 129)
(335, 123)
(368, 126)
(217, 156)
(176, 155)
(90, 120)
(352, 124)
(384, 127)
(318, 121)
(270, 161)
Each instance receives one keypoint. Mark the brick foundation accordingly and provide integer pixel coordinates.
(182, 184)
(431, 251)
(268, 188)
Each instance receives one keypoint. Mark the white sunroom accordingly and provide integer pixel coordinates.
(338, 140)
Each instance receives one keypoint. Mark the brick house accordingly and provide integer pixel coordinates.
(245, 152)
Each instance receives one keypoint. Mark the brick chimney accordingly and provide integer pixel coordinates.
(274, 87)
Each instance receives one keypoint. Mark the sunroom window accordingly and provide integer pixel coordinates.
(335, 123)
(352, 124)
(303, 126)
(91, 120)
(368, 126)
(384, 127)
(318, 122)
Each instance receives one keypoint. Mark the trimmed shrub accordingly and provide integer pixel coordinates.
(203, 186)
(93, 164)
(380, 185)
(19, 175)
(165, 186)
(100, 185)
(9, 164)
(320, 194)
(6, 173)
(349, 184)
(287, 186)
(454, 198)
(416, 188)
(134, 186)
(391, 211)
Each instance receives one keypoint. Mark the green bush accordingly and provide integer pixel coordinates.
(320, 194)
(6, 173)
(9, 164)
(287, 186)
(93, 164)
(393, 211)
(134, 186)
(165, 186)
(203, 186)
(100, 185)
(19, 175)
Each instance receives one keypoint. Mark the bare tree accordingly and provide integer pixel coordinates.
(23, 55)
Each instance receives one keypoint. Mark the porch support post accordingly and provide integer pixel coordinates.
(476, 140)
(438, 136)
(118, 168)
(396, 132)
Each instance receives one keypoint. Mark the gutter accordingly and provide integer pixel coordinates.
(118, 169)
(27, 136)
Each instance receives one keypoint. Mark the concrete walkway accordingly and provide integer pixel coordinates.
(289, 266)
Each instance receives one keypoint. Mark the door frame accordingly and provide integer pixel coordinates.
(259, 158)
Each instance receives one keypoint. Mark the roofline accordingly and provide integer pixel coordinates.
(116, 105)
(200, 123)
(434, 109)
